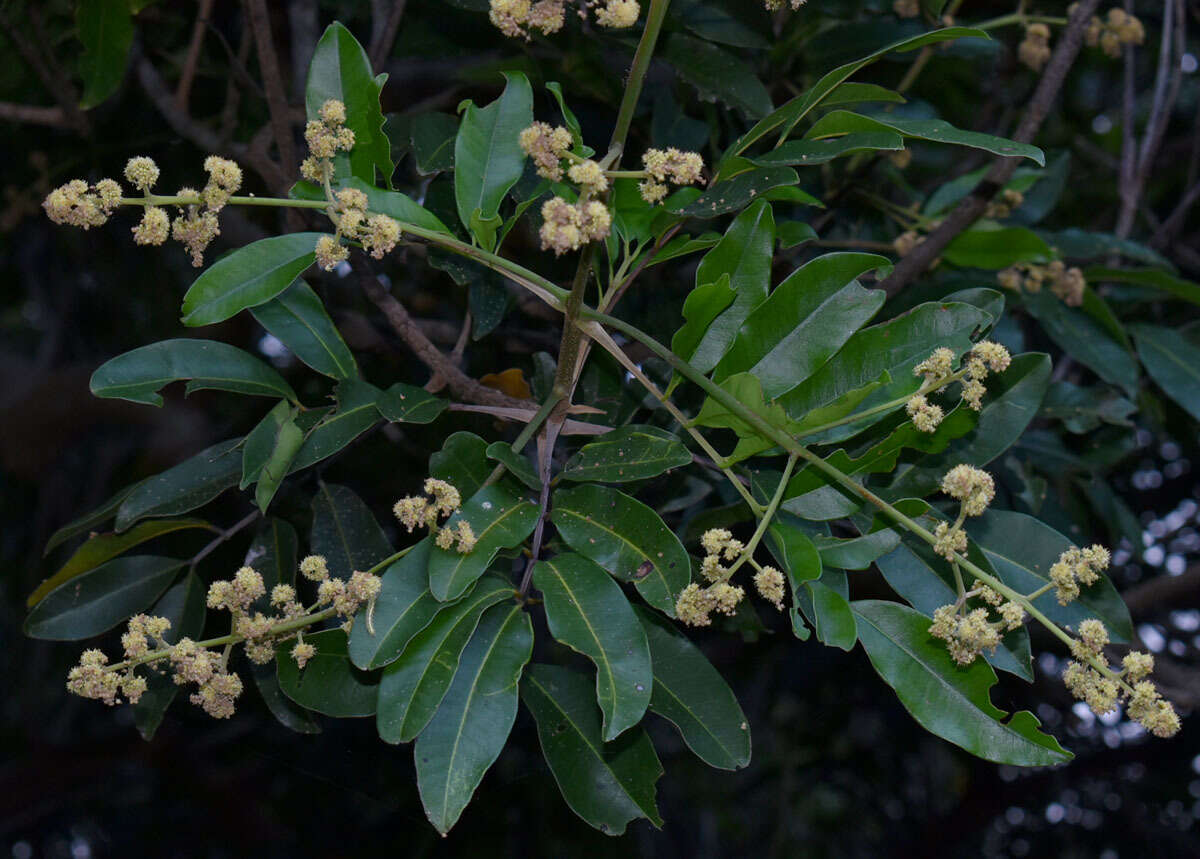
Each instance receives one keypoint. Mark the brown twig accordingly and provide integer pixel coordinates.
(268, 66)
(460, 384)
(52, 116)
(973, 205)
(183, 90)
(384, 35)
(48, 72)
(1163, 592)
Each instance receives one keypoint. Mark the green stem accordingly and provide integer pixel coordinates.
(768, 514)
(1017, 18)
(283, 202)
(637, 72)
(526, 434)
(625, 174)
(389, 560)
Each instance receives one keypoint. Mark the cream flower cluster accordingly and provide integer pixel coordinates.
(668, 165)
(79, 204)
(516, 18)
(377, 233)
(326, 136)
(776, 5)
(968, 633)
(1116, 29)
(975, 489)
(1066, 283)
(441, 500)
(567, 226)
(1034, 49)
(938, 372)
(1076, 567)
(696, 603)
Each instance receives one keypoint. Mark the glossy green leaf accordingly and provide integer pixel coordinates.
(946, 699)
(744, 256)
(844, 122)
(793, 548)
(104, 547)
(475, 717)
(1082, 409)
(1022, 549)
(297, 318)
(806, 153)
(288, 442)
(260, 441)
(692, 695)
(1086, 339)
(748, 391)
(1074, 243)
(833, 617)
(625, 454)
(286, 711)
(856, 553)
(247, 277)
(894, 346)
(208, 364)
(587, 611)
(1173, 362)
(345, 531)
(184, 606)
(89, 521)
(607, 784)
(432, 138)
(703, 304)
(403, 608)
(684, 245)
(403, 403)
(183, 488)
(804, 321)
(733, 195)
(499, 520)
(462, 462)
(517, 464)
(995, 247)
(273, 555)
(569, 118)
(356, 413)
(328, 683)
(340, 70)
(625, 537)
(797, 108)
(99, 599)
(413, 685)
(718, 74)
(857, 93)
(105, 27)
(488, 159)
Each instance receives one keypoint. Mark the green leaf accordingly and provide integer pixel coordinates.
(396, 205)
(895, 346)
(462, 462)
(183, 488)
(272, 554)
(105, 27)
(791, 545)
(684, 245)
(1173, 362)
(432, 138)
(1086, 339)
(946, 699)
(995, 247)
(328, 683)
(733, 195)
(607, 784)
(804, 321)
(341, 71)
(345, 532)
(747, 389)
(184, 606)
(569, 118)
(260, 442)
(797, 108)
(403, 608)
(247, 277)
(287, 443)
(104, 547)
(488, 159)
(1022, 550)
(692, 695)
(499, 520)
(89, 521)
(403, 403)
(1074, 243)
(625, 537)
(703, 304)
(806, 153)
(517, 464)
(834, 619)
(475, 717)
(1083, 409)
(744, 256)
(841, 122)
(356, 413)
(297, 318)
(625, 454)
(99, 599)
(286, 711)
(587, 611)
(208, 364)
(413, 685)
(856, 93)
(718, 74)
(856, 553)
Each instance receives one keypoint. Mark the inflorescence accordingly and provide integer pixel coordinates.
(417, 511)
(696, 603)
(516, 18)
(203, 664)
(1066, 283)
(938, 372)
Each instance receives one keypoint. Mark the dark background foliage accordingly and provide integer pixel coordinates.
(839, 768)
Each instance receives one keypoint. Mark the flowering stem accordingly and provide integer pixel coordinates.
(1017, 18)
(637, 72)
(767, 515)
(283, 202)
(284, 628)
(389, 560)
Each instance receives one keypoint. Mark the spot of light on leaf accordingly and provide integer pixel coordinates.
(1152, 637)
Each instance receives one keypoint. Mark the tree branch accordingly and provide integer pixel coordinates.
(183, 89)
(973, 205)
(52, 116)
(52, 77)
(268, 67)
(385, 35)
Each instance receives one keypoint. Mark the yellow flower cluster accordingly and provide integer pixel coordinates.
(546, 146)
(1103, 689)
(326, 136)
(776, 5)
(925, 415)
(668, 165)
(984, 356)
(1066, 283)
(1034, 50)
(696, 602)
(938, 371)
(78, 204)
(1118, 28)
(516, 18)
(968, 633)
(970, 485)
(1009, 201)
(1076, 567)
(377, 233)
(416, 511)
(567, 227)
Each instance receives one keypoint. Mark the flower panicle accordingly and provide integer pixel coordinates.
(441, 500)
